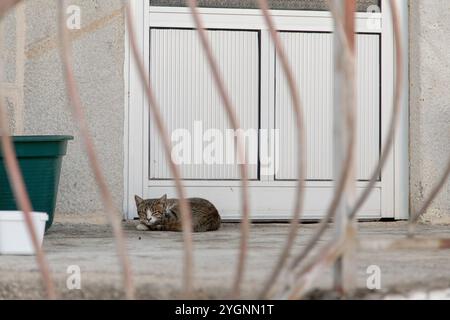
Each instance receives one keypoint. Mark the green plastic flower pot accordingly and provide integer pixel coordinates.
(40, 159)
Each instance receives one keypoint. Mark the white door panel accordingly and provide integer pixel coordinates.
(188, 98)
(311, 58)
(271, 202)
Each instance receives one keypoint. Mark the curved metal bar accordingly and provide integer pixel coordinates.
(17, 182)
(437, 188)
(78, 113)
(335, 246)
(154, 108)
(298, 110)
(21, 196)
(326, 257)
(395, 112)
(245, 224)
(345, 173)
(6, 5)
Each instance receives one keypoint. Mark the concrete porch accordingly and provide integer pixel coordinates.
(86, 241)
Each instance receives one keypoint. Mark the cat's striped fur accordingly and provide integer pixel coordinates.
(164, 214)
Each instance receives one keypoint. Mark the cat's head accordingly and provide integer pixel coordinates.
(151, 211)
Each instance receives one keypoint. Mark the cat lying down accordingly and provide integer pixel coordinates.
(164, 214)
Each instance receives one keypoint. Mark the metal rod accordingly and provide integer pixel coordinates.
(79, 116)
(6, 5)
(404, 243)
(17, 183)
(188, 270)
(230, 109)
(437, 188)
(345, 98)
(318, 260)
(395, 111)
(345, 173)
(298, 110)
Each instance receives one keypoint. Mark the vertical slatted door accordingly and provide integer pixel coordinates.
(311, 56)
(192, 107)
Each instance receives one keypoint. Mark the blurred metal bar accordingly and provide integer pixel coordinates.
(436, 190)
(23, 201)
(344, 130)
(345, 170)
(298, 111)
(188, 270)
(78, 113)
(6, 5)
(404, 243)
(16, 179)
(304, 278)
(230, 109)
(399, 75)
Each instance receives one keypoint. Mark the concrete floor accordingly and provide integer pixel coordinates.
(87, 241)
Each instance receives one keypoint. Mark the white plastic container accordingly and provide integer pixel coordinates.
(14, 236)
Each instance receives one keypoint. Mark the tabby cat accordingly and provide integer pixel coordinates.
(164, 214)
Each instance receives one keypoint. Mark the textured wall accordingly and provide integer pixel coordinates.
(12, 86)
(8, 54)
(99, 60)
(430, 101)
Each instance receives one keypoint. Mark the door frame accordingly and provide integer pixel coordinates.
(395, 190)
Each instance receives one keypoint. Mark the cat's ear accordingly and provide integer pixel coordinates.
(163, 199)
(138, 200)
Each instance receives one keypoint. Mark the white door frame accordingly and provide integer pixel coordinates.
(395, 188)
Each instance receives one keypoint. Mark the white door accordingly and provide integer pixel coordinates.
(195, 117)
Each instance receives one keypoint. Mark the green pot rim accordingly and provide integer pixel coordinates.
(39, 146)
(42, 138)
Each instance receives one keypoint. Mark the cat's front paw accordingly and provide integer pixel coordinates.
(142, 227)
(156, 228)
